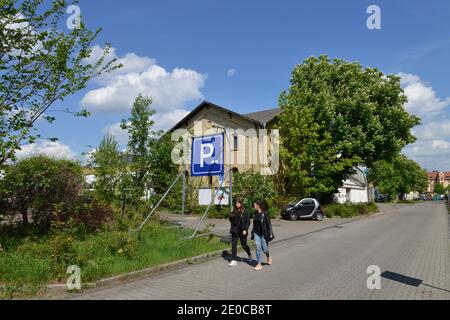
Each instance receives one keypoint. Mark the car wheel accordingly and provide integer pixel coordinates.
(293, 216)
(319, 216)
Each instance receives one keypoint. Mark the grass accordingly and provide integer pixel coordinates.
(30, 264)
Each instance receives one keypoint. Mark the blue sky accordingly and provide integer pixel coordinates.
(239, 54)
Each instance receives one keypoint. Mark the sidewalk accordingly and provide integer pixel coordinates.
(283, 229)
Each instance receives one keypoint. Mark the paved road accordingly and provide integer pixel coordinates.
(412, 241)
(282, 228)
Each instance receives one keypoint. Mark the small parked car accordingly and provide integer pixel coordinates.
(308, 208)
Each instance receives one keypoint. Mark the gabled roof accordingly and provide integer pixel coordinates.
(433, 175)
(260, 118)
(265, 116)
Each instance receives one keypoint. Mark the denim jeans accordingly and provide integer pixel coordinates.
(261, 246)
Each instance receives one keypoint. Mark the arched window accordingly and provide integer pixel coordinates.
(235, 141)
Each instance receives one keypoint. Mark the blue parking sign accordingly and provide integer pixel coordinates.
(207, 156)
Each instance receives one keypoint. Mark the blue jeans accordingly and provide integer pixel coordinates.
(261, 246)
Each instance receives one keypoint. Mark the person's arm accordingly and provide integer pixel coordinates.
(269, 222)
(247, 221)
(232, 215)
(253, 230)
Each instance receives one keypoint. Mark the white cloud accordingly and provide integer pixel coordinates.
(432, 147)
(422, 99)
(231, 72)
(170, 90)
(167, 121)
(115, 130)
(162, 122)
(131, 62)
(52, 149)
(433, 130)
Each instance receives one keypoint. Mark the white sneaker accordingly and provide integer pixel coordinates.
(232, 263)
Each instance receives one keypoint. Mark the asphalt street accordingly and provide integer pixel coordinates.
(411, 247)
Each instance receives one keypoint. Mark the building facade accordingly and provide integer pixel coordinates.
(210, 118)
(438, 177)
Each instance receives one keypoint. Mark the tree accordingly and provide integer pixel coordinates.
(140, 144)
(439, 188)
(336, 115)
(40, 64)
(36, 185)
(398, 177)
(107, 161)
(250, 187)
(163, 171)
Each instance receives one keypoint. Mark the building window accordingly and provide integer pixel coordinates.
(235, 141)
(210, 180)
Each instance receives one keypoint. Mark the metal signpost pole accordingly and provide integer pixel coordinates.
(183, 199)
(207, 209)
(158, 204)
(230, 197)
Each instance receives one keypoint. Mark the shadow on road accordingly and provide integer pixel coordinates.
(408, 280)
(226, 255)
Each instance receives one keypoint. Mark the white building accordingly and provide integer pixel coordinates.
(355, 189)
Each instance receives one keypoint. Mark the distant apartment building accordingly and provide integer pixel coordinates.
(438, 177)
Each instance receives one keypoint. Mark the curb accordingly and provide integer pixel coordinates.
(61, 289)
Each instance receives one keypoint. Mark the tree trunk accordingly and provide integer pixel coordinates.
(25, 217)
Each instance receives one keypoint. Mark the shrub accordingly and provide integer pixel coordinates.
(348, 210)
(218, 212)
(93, 215)
(373, 208)
(37, 184)
(250, 187)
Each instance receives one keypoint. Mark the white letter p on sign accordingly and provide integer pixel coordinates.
(205, 155)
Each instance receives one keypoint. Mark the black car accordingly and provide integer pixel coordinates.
(303, 209)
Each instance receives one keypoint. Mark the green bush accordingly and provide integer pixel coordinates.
(219, 212)
(348, 210)
(250, 187)
(373, 208)
(37, 184)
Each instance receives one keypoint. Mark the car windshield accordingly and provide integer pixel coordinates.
(294, 202)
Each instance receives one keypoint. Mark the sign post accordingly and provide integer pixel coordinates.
(207, 160)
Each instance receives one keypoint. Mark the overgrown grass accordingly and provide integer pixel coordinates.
(27, 265)
(348, 210)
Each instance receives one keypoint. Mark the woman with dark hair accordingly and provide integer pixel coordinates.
(240, 222)
(262, 234)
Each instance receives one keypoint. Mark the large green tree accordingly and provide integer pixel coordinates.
(336, 115)
(40, 63)
(141, 141)
(398, 177)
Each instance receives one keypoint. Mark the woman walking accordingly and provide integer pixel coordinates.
(240, 222)
(262, 233)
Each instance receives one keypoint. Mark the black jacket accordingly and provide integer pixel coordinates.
(239, 222)
(264, 220)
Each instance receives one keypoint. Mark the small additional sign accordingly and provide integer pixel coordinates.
(222, 197)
